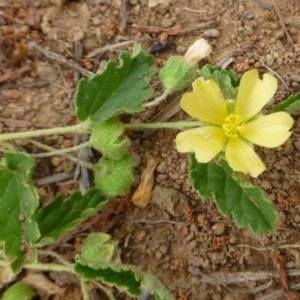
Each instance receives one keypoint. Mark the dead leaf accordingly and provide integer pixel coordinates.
(143, 194)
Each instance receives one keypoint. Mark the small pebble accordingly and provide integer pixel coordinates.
(180, 49)
(218, 228)
(297, 218)
(167, 23)
(295, 77)
(233, 239)
(290, 265)
(196, 261)
(248, 16)
(211, 33)
(266, 185)
(158, 255)
(269, 60)
(162, 167)
(163, 249)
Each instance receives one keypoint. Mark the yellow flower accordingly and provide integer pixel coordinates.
(233, 126)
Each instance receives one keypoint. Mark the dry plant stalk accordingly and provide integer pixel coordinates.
(282, 275)
(143, 194)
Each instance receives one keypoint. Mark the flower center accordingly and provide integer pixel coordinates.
(233, 125)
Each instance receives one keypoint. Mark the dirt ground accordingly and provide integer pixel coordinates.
(180, 238)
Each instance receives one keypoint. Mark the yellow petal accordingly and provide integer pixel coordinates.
(254, 94)
(241, 157)
(269, 131)
(206, 142)
(205, 103)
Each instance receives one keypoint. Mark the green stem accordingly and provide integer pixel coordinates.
(79, 128)
(50, 267)
(61, 151)
(108, 292)
(53, 150)
(158, 99)
(174, 125)
(85, 290)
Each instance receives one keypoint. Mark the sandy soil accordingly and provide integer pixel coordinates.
(184, 241)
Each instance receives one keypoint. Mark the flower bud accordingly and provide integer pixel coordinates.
(179, 72)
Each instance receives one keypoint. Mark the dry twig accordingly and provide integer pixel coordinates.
(279, 293)
(282, 275)
(69, 63)
(11, 75)
(124, 16)
(275, 73)
(281, 21)
(264, 5)
(158, 222)
(173, 31)
(118, 45)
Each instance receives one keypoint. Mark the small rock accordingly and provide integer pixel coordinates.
(297, 144)
(180, 49)
(190, 236)
(196, 261)
(295, 77)
(193, 244)
(248, 16)
(290, 265)
(297, 218)
(47, 72)
(133, 2)
(158, 255)
(167, 23)
(281, 215)
(265, 184)
(164, 249)
(275, 176)
(269, 60)
(170, 200)
(233, 239)
(218, 228)
(162, 167)
(211, 33)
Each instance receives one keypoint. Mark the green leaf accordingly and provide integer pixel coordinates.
(18, 291)
(119, 275)
(119, 89)
(18, 201)
(99, 247)
(291, 105)
(233, 196)
(97, 262)
(60, 217)
(227, 80)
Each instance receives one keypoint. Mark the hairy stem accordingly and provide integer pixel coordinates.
(174, 125)
(85, 289)
(79, 128)
(50, 267)
(107, 291)
(53, 151)
(159, 99)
